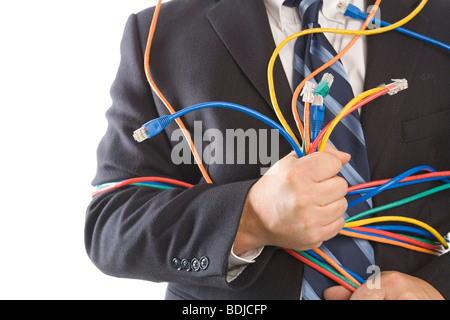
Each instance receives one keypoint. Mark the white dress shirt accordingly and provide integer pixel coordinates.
(285, 21)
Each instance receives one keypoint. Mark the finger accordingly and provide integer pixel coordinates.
(337, 293)
(331, 229)
(343, 156)
(318, 166)
(366, 293)
(331, 190)
(331, 212)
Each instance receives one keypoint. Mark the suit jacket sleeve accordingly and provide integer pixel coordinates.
(136, 232)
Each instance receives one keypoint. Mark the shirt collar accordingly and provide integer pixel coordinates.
(281, 14)
(284, 15)
(332, 13)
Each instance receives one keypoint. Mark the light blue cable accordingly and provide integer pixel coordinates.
(400, 185)
(390, 183)
(155, 126)
(401, 228)
(355, 13)
(354, 275)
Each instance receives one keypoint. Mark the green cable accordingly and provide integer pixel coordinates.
(156, 186)
(326, 267)
(398, 203)
(428, 241)
(151, 185)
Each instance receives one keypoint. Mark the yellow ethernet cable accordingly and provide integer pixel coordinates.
(325, 30)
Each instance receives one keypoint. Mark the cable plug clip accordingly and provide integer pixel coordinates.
(350, 10)
(324, 86)
(317, 115)
(308, 92)
(397, 86)
(343, 5)
(151, 128)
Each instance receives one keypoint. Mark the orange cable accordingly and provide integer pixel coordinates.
(387, 241)
(336, 266)
(164, 100)
(323, 67)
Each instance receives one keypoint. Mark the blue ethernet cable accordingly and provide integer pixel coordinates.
(401, 228)
(317, 116)
(444, 179)
(354, 275)
(371, 234)
(152, 184)
(355, 13)
(155, 126)
(390, 183)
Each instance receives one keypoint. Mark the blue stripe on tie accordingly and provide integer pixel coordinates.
(351, 175)
(366, 248)
(300, 67)
(312, 51)
(329, 253)
(352, 124)
(308, 292)
(324, 55)
(304, 5)
(362, 245)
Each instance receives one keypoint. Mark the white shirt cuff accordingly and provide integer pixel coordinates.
(237, 264)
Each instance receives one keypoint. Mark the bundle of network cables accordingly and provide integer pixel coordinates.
(404, 232)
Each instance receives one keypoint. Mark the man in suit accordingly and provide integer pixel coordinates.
(207, 50)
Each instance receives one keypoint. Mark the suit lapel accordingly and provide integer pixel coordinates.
(244, 29)
(389, 56)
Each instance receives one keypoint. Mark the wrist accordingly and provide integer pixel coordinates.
(250, 232)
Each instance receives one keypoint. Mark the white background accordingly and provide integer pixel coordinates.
(58, 60)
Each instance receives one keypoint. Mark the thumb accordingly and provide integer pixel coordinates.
(337, 293)
(343, 156)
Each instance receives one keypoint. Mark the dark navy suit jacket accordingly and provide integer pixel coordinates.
(218, 50)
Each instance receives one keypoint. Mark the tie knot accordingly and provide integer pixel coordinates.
(308, 9)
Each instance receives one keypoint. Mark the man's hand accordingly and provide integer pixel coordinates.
(297, 204)
(393, 286)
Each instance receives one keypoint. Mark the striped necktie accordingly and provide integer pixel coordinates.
(311, 52)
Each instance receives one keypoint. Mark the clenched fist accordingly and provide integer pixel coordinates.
(297, 204)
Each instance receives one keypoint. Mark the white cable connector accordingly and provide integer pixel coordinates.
(397, 86)
(343, 5)
(317, 100)
(308, 92)
(328, 78)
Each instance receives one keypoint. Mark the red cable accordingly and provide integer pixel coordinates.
(320, 269)
(410, 178)
(144, 179)
(361, 103)
(398, 237)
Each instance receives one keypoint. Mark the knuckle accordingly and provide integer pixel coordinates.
(340, 223)
(342, 184)
(339, 207)
(304, 199)
(408, 295)
(343, 205)
(334, 162)
(309, 223)
(296, 174)
(314, 241)
(394, 279)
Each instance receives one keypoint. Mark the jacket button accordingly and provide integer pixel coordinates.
(176, 263)
(195, 264)
(204, 263)
(185, 265)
